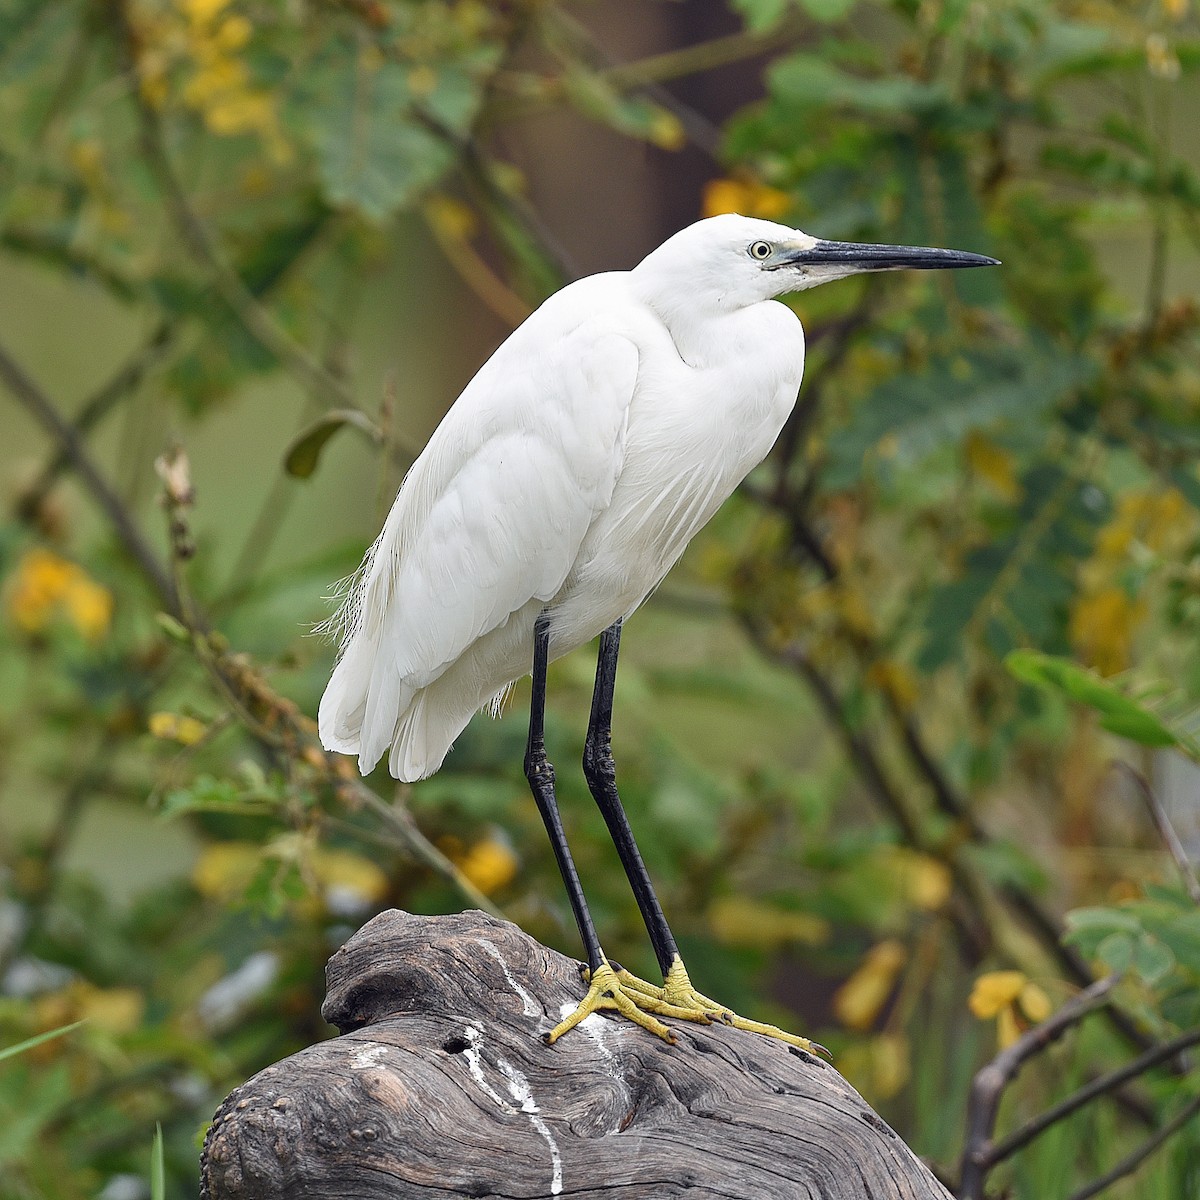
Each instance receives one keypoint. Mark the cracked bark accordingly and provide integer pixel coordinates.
(441, 1085)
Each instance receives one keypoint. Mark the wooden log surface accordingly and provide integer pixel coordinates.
(441, 1085)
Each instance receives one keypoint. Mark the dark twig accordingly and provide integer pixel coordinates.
(859, 750)
(990, 1082)
(1098, 1087)
(1132, 1161)
(93, 411)
(38, 404)
(1165, 829)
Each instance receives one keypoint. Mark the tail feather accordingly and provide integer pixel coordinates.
(425, 734)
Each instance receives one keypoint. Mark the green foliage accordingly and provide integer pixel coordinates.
(1150, 716)
(1155, 939)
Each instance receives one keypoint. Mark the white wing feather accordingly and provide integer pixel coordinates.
(489, 518)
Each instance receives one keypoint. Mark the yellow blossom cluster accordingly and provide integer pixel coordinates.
(1012, 999)
(746, 196)
(489, 863)
(45, 587)
(225, 870)
(1106, 614)
(208, 39)
(860, 999)
(175, 727)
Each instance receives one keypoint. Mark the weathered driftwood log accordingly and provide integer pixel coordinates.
(441, 1085)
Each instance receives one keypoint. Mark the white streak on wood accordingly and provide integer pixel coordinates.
(367, 1056)
(522, 1093)
(475, 1066)
(528, 1003)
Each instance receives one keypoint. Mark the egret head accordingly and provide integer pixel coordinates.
(734, 261)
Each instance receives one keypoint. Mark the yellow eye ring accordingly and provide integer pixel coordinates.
(760, 250)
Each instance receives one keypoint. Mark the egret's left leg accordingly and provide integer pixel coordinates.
(676, 997)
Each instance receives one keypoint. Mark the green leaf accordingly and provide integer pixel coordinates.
(1182, 937)
(1116, 951)
(158, 1174)
(827, 11)
(1017, 588)
(1152, 960)
(914, 415)
(37, 1040)
(809, 81)
(304, 451)
(761, 15)
(633, 115)
(1119, 713)
(373, 153)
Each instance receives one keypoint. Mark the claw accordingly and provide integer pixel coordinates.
(613, 989)
(606, 993)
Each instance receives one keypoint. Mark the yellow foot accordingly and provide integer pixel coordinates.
(608, 992)
(678, 998)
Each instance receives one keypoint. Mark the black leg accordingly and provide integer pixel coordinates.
(540, 774)
(601, 773)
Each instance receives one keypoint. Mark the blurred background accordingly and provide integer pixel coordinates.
(868, 730)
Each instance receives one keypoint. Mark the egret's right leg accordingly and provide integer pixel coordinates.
(605, 990)
(676, 997)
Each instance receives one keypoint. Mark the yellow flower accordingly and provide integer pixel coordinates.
(224, 869)
(748, 197)
(348, 875)
(742, 921)
(993, 464)
(89, 606)
(879, 1067)
(858, 1001)
(1101, 627)
(452, 217)
(666, 131)
(45, 586)
(995, 991)
(489, 864)
(1012, 999)
(115, 1010)
(172, 727)
(1161, 58)
(202, 12)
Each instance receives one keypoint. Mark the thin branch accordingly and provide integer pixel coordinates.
(862, 754)
(990, 1082)
(93, 411)
(1132, 1161)
(1098, 1087)
(399, 818)
(701, 56)
(277, 723)
(476, 273)
(1165, 830)
(40, 407)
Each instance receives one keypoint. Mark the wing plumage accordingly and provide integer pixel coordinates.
(489, 518)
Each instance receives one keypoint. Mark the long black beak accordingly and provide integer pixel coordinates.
(865, 256)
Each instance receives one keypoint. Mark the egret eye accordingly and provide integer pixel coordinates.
(760, 250)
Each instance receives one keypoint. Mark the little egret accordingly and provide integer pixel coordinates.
(554, 496)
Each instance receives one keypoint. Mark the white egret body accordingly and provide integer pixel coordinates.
(569, 475)
(556, 493)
